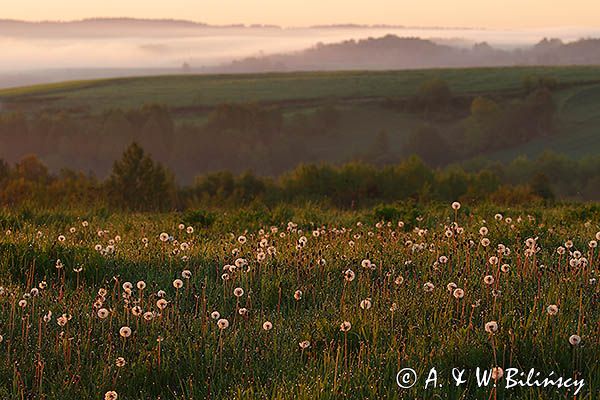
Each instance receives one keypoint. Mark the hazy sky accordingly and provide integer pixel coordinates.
(468, 13)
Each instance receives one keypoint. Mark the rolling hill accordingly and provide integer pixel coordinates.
(365, 105)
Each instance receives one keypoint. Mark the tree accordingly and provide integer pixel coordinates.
(434, 95)
(138, 183)
(540, 186)
(4, 170)
(427, 143)
(32, 169)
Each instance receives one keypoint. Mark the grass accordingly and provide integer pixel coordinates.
(179, 352)
(209, 90)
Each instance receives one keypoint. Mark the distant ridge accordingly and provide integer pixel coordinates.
(11, 26)
(393, 52)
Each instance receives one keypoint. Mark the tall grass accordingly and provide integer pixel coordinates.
(407, 269)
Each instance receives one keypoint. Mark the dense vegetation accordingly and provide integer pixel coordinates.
(139, 183)
(296, 302)
(271, 123)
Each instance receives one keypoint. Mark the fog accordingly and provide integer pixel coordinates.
(27, 51)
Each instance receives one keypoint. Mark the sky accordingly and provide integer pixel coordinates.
(449, 13)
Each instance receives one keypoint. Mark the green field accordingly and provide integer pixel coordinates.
(191, 98)
(93, 302)
(209, 90)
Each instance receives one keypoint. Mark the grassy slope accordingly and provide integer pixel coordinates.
(183, 90)
(578, 108)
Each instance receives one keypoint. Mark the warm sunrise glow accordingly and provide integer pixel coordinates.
(468, 13)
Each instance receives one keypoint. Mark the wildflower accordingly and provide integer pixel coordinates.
(189, 230)
(428, 287)
(223, 323)
(505, 268)
(161, 304)
(48, 316)
(497, 373)
(366, 263)
(61, 238)
(451, 286)
(163, 237)
(552, 309)
(267, 326)
(305, 344)
(120, 362)
(22, 303)
(399, 280)
(575, 340)
(491, 327)
(488, 280)
(349, 275)
(345, 326)
(215, 315)
(177, 283)
(365, 304)
(238, 292)
(111, 395)
(243, 311)
(125, 331)
(141, 285)
(102, 313)
(456, 206)
(148, 315)
(187, 274)
(242, 239)
(298, 295)
(458, 293)
(62, 320)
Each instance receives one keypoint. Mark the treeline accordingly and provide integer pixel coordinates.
(272, 139)
(141, 184)
(482, 124)
(231, 136)
(392, 52)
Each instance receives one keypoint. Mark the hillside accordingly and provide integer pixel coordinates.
(393, 52)
(275, 121)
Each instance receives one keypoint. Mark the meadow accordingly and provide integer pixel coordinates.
(210, 90)
(303, 303)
